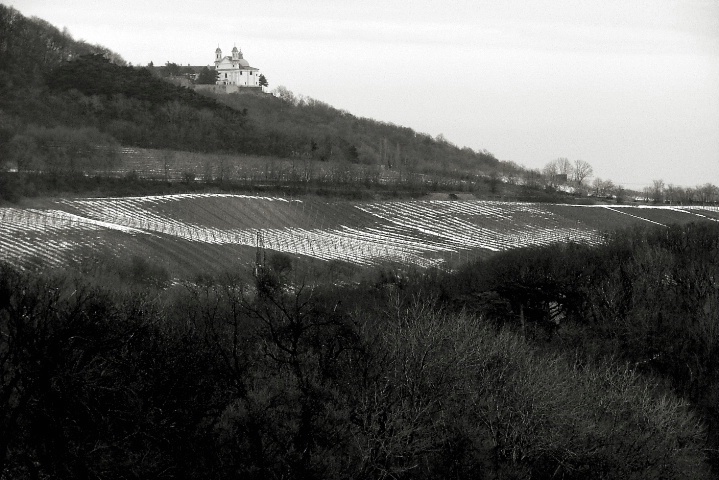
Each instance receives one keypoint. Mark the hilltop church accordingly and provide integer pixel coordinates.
(235, 70)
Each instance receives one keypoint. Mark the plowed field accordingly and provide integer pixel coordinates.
(204, 232)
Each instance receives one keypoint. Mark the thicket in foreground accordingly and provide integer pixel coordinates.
(648, 297)
(226, 380)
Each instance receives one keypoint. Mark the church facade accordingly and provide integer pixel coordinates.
(235, 70)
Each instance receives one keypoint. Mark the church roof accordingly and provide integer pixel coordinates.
(244, 64)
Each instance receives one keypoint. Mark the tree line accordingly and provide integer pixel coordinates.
(562, 171)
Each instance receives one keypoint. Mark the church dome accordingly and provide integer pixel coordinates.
(234, 49)
(218, 50)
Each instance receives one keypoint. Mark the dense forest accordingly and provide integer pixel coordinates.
(564, 361)
(55, 87)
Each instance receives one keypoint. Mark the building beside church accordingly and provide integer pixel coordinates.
(235, 70)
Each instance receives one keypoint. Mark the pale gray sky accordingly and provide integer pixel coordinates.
(630, 86)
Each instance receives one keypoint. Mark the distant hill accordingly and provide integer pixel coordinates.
(67, 100)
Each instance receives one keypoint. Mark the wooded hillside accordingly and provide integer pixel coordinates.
(53, 83)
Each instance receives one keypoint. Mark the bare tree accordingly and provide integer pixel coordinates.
(603, 188)
(582, 170)
(285, 94)
(557, 171)
(657, 190)
(509, 171)
(673, 193)
(550, 171)
(619, 193)
(647, 193)
(707, 193)
(598, 186)
(686, 195)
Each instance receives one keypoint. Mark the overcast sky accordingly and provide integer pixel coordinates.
(632, 87)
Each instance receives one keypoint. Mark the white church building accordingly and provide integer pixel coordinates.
(235, 70)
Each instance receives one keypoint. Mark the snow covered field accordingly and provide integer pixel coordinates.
(423, 233)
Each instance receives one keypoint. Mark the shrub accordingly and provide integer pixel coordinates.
(448, 391)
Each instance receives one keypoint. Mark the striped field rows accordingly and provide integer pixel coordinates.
(423, 233)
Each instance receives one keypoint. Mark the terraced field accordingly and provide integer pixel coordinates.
(206, 232)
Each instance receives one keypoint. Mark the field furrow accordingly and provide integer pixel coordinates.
(214, 230)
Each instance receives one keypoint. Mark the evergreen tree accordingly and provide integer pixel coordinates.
(207, 77)
(263, 81)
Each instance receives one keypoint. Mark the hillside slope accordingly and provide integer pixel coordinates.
(66, 102)
(195, 233)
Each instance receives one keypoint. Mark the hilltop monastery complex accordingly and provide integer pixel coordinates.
(235, 70)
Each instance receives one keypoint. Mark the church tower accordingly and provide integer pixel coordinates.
(218, 55)
(236, 54)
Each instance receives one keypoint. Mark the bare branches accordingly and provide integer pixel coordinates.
(582, 170)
